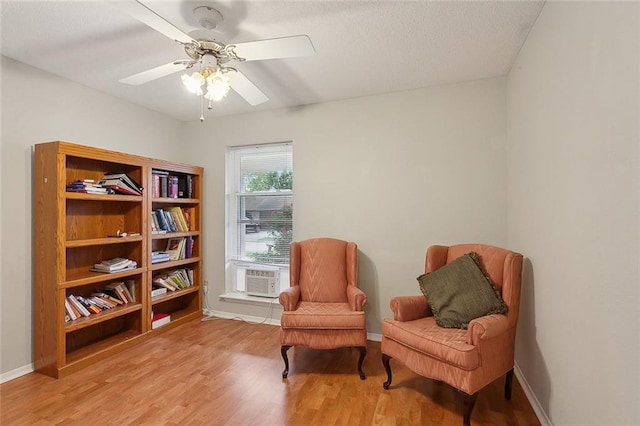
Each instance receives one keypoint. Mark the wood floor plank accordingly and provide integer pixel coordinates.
(226, 372)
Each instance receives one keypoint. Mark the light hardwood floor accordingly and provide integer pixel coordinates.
(226, 372)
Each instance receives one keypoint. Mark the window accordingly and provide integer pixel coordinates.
(259, 214)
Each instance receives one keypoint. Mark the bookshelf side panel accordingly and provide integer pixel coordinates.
(47, 339)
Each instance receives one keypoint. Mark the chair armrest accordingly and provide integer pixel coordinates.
(487, 327)
(356, 297)
(409, 308)
(289, 298)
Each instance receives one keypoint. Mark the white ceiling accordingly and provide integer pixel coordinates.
(362, 47)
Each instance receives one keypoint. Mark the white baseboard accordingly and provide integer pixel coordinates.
(533, 400)
(18, 372)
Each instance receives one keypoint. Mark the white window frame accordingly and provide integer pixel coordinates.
(234, 234)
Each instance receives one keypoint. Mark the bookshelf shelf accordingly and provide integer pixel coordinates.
(89, 351)
(101, 197)
(101, 317)
(175, 235)
(173, 263)
(89, 277)
(102, 241)
(165, 200)
(173, 294)
(73, 231)
(182, 315)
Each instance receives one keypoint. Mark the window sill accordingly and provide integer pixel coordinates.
(249, 300)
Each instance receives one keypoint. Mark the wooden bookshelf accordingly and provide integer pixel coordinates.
(75, 230)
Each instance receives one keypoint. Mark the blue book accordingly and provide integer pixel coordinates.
(162, 220)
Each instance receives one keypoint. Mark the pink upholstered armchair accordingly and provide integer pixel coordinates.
(323, 307)
(467, 359)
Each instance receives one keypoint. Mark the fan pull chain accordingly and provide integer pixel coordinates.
(201, 108)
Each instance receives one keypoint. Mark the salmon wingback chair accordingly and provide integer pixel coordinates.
(467, 359)
(323, 307)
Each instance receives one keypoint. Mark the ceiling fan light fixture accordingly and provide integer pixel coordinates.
(217, 86)
(193, 82)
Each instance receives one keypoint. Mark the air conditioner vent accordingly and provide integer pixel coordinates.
(262, 282)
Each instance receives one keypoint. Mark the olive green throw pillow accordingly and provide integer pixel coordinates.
(459, 292)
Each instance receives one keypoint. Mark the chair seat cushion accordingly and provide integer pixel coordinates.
(311, 315)
(423, 335)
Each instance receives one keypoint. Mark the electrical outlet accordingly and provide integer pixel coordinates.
(205, 287)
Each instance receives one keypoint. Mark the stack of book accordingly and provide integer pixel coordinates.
(159, 319)
(117, 264)
(88, 186)
(160, 256)
(121, 183)
(158, 291)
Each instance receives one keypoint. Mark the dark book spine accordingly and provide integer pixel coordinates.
(189, 186)
(164, 186)
(182, 187)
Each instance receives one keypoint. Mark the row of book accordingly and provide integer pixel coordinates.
(172, 280)
(117, 264)
(164, 185)
(173, 219)
(113, 295)
(160, 256)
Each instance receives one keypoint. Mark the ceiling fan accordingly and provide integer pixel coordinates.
(212, 56)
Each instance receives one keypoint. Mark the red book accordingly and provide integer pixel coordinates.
(159, 320)
(123, 190)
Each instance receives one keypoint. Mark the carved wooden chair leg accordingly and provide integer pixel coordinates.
(363, 352)
(283, 351)
(508, 384)
(387, 368)
(468, 402)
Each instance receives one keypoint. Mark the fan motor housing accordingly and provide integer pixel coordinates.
(205, 47)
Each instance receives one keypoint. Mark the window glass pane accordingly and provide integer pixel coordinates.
(266, 224)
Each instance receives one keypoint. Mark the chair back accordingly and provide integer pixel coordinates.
(323, 267)
(503, 267)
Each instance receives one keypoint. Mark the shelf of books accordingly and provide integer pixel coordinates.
(95, 246)
(175, 256)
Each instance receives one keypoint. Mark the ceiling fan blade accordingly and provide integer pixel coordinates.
(154, 73)
(147, 16)
(245, 88)
(284, 47)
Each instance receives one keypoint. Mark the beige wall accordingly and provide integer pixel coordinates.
(40, 107)
(573, 207)
(394, 173)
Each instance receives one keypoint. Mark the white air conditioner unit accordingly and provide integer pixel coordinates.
(264, 282)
